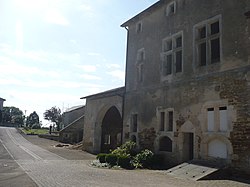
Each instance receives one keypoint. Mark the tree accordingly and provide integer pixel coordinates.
(32, 121)
(54, 115)
(12, 115)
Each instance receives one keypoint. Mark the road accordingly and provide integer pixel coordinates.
(25, 164)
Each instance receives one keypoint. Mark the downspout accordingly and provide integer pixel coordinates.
(123, 97)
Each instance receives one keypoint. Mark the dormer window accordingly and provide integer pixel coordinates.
(171, 8)
(139, 27)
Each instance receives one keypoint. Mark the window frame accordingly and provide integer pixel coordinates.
(169, 8)
(140, 59)
(139, 27)
(207, 40)
(164, 126)
(173, 51)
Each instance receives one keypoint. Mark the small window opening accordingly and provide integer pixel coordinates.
(215, 28)
(168, 45)
(223, 108)
(215, 50)
(203, 54)
(162, 122)
(170, 120)
(171, 9)
(134, 122)
(202, 32)
(179, 42)
(178, 61)
(210, 109)
(139, 27)
(169, 64)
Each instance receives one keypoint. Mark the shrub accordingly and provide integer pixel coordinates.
(101, 157)
(126, 149)
(143, 159)
(111, 159)
(124, 162)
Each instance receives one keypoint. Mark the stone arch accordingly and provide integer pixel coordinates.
(217, 146)
(187, 127)
(133, 138)
(165, 144)
(111, 128)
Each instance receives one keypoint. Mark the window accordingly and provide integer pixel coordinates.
(139, 27)
(140, 64)
(210, 119)
(223, 118)
(141, 55)
(165, 144)
(134, 122)
(172, 55)
(207, 41)
(170, 120)
(171, 9)
(140, 72)
(166, 120)
(162, 122)
(222, 123)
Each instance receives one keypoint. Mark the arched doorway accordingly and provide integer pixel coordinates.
(111, 130)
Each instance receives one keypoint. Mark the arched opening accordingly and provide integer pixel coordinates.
(133, 138)
(165, 144)
(217, 149)
(111, 130)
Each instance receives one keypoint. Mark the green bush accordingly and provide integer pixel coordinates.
(111, 159)
(143, 159)
(126, 149)
(125, 162)
(101, 157)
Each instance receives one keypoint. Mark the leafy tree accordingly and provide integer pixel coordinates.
(54, 115)
(32, 120)
(12, 115)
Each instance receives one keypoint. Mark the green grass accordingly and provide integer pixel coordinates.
(35, 131)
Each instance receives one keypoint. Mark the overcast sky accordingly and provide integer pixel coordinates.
(52, 52)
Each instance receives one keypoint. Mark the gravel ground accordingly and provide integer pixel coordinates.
(65, 152)
(77, 162)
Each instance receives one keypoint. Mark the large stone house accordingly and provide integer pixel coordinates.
(187, 85)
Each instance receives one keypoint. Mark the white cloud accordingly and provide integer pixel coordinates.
(94, 54)
(90, 77)
(111, 66)
(54, 16)
(117, 74)
(87, 68)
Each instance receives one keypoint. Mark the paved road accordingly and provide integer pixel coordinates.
(35, 166)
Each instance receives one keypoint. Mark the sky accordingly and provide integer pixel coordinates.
(53, 52)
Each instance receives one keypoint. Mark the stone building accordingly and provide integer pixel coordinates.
(187, 83)
(73, 124)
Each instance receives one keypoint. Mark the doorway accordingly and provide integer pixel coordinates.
(188, 146)
(111, 130)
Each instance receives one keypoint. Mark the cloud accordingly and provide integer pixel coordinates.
(87, 68)
(94, 54)
(90, 77)
(54, 16)
(86, 9)
(111, 66)
(117, 74)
